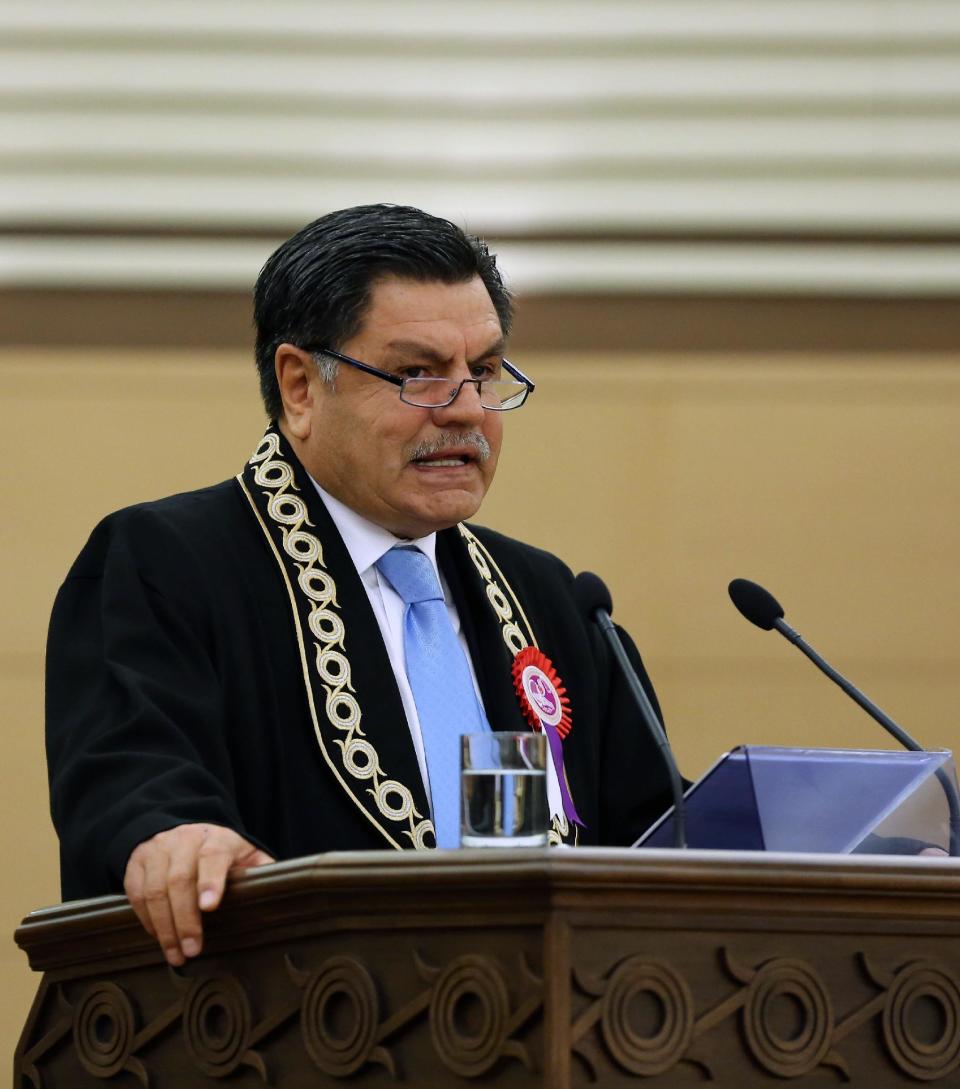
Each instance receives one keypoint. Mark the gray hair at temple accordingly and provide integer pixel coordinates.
(314, 290)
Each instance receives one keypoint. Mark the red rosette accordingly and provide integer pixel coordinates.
(540, 691)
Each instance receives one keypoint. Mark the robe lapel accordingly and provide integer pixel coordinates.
(496, 629)
(492, 661)
(349, 686)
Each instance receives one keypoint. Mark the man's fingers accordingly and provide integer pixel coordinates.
(215, 859)
(133, 887)
(174, 875)
(182, 894)
(157, 903)
(256, 858)
(221, 854)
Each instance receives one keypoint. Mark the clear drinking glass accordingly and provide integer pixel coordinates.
(503, 790)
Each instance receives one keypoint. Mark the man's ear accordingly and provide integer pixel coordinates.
(296, 371)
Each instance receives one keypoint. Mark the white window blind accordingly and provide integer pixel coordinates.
(668, 145)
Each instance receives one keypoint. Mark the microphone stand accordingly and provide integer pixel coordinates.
(649, 716)
(901, 735)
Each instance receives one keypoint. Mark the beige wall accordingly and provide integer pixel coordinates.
(835, 480)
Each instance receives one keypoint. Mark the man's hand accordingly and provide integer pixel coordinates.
(176, 874)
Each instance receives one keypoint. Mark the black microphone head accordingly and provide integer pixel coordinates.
(591, 593)
(759, 606)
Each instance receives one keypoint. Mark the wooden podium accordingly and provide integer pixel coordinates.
(531, 968)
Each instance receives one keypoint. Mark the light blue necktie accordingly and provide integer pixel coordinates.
(439, 676)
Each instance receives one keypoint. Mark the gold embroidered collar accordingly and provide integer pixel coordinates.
(269, 482)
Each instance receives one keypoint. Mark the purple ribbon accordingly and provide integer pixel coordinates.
(556, 749)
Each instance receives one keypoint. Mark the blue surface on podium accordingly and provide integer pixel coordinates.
(758, 798)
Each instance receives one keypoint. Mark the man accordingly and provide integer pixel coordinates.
(236, 675)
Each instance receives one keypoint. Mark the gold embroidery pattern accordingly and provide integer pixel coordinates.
(514, 636)
(360, 759)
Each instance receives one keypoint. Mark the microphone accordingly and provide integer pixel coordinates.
(595, 602)
(760, 607)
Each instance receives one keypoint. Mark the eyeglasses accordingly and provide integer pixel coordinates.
(496, 394)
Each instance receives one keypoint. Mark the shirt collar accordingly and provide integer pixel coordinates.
(365, 541)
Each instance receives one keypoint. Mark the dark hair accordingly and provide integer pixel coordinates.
(314, 290)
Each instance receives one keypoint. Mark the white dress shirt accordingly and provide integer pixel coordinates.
(366, 543)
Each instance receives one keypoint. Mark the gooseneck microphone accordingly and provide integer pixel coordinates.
(594, 600)
(760, 607)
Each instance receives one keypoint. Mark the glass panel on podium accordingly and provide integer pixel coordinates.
(826, 801)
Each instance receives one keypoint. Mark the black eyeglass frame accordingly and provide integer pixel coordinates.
(396, 380)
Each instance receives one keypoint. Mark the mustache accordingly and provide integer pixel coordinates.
(477, 443)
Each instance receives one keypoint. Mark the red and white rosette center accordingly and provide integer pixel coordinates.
(542, 695)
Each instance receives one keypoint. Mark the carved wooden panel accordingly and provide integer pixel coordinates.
(558, 970)
(735, 1015)
(375, 1015)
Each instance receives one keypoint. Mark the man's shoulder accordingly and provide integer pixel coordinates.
(185, 511)
(193, 517)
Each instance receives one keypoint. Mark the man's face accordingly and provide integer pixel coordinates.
(363, 440)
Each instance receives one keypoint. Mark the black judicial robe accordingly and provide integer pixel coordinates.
(213, 657)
